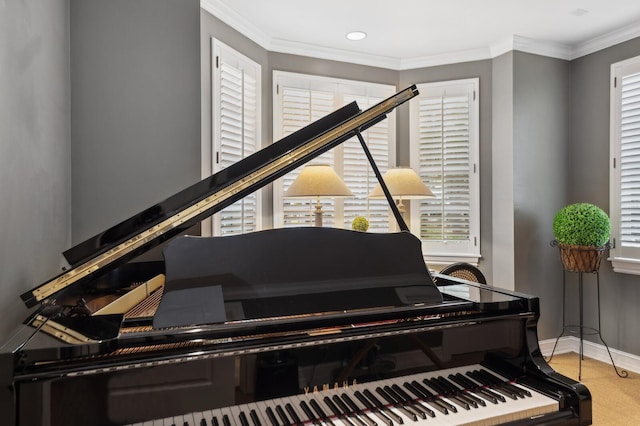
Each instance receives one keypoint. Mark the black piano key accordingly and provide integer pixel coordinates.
(452, 408)
(469, 387)
(418, 395)
(282, 415)
(355, 409)
(381, 406)
(203, 422)
(495, 383)
(214, 421)
(422, 393)
(430, 398)
(468, 399)
(410, 414)
(309, 413)
(243, 419)
(408, 403)
(293, 414)
(353, 415)
(225, 420)
(255, 418)
(486, 390)
(319, 411)
(378, 413)
(272, 417)
(417, 406)
(337, 412)
(451, 393)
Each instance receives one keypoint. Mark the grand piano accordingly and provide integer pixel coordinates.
(276, 327)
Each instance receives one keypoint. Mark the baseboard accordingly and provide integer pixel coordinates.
(592, 350)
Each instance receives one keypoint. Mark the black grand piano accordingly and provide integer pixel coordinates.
(277, 327)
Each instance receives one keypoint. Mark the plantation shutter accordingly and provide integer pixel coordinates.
(444, 152)
(624, 201)
(444, 165)
(299, 108)
(630, 161)
(236, 133)
(358, 175)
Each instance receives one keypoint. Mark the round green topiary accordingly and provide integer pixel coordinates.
(581, 224)
(360, 223)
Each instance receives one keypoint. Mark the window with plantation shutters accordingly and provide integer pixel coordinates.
(301, 99)
(625, 166)
(444, 152)
(236, 131)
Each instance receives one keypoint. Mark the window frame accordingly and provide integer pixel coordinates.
(221, 53)
(441, 253)
(623, 259)
(341, 88)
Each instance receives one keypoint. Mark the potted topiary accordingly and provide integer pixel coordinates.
(360, 223)
(581, 232)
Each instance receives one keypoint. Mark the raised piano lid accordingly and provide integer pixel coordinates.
(175, 215)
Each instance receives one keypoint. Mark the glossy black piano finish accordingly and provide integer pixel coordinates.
(302, 310)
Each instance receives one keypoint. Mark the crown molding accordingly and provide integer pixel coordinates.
(323, 52)
(227, 15)
(529, 45)
(607, 40)
(523, 44)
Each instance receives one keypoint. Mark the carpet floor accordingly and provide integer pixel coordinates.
(615, 400)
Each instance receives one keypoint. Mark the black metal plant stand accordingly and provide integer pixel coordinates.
(581, 328)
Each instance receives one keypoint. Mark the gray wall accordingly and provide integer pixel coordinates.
(135, 86)
(541, 95)
(588, 174)
(35, 170)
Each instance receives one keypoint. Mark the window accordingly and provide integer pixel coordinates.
(625, 166)
(301, 99)
(236, 131)
(444, 141)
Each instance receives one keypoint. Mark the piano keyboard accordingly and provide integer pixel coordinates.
(469, 395)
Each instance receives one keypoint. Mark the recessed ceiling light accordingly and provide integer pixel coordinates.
(579, 12)
(356, 35)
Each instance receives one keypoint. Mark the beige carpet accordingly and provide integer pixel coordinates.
(616, 401)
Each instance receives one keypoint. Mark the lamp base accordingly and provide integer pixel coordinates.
(318, 213)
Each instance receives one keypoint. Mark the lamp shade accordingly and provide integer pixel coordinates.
(403, 183)
(318, 180)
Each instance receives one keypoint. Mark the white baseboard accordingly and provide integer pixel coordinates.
(592, 350)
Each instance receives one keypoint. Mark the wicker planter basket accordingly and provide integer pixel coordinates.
(580, 258)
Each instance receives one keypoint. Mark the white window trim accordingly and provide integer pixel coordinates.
(320, 83)
(438, 254)
(623, 259)
(211, 226)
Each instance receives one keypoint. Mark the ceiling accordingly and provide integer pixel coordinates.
(405, 34)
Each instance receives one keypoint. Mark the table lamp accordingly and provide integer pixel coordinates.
(316, 181)
(403, 184)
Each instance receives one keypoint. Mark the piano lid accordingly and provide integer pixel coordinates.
(175, 215)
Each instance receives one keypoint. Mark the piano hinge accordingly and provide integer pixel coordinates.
(613, 243)
(474, 95)
(614, 162)
(475, 168)
(475, 241)
(217, 61)
(217, 157)
(277, 89)
(615, 82)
